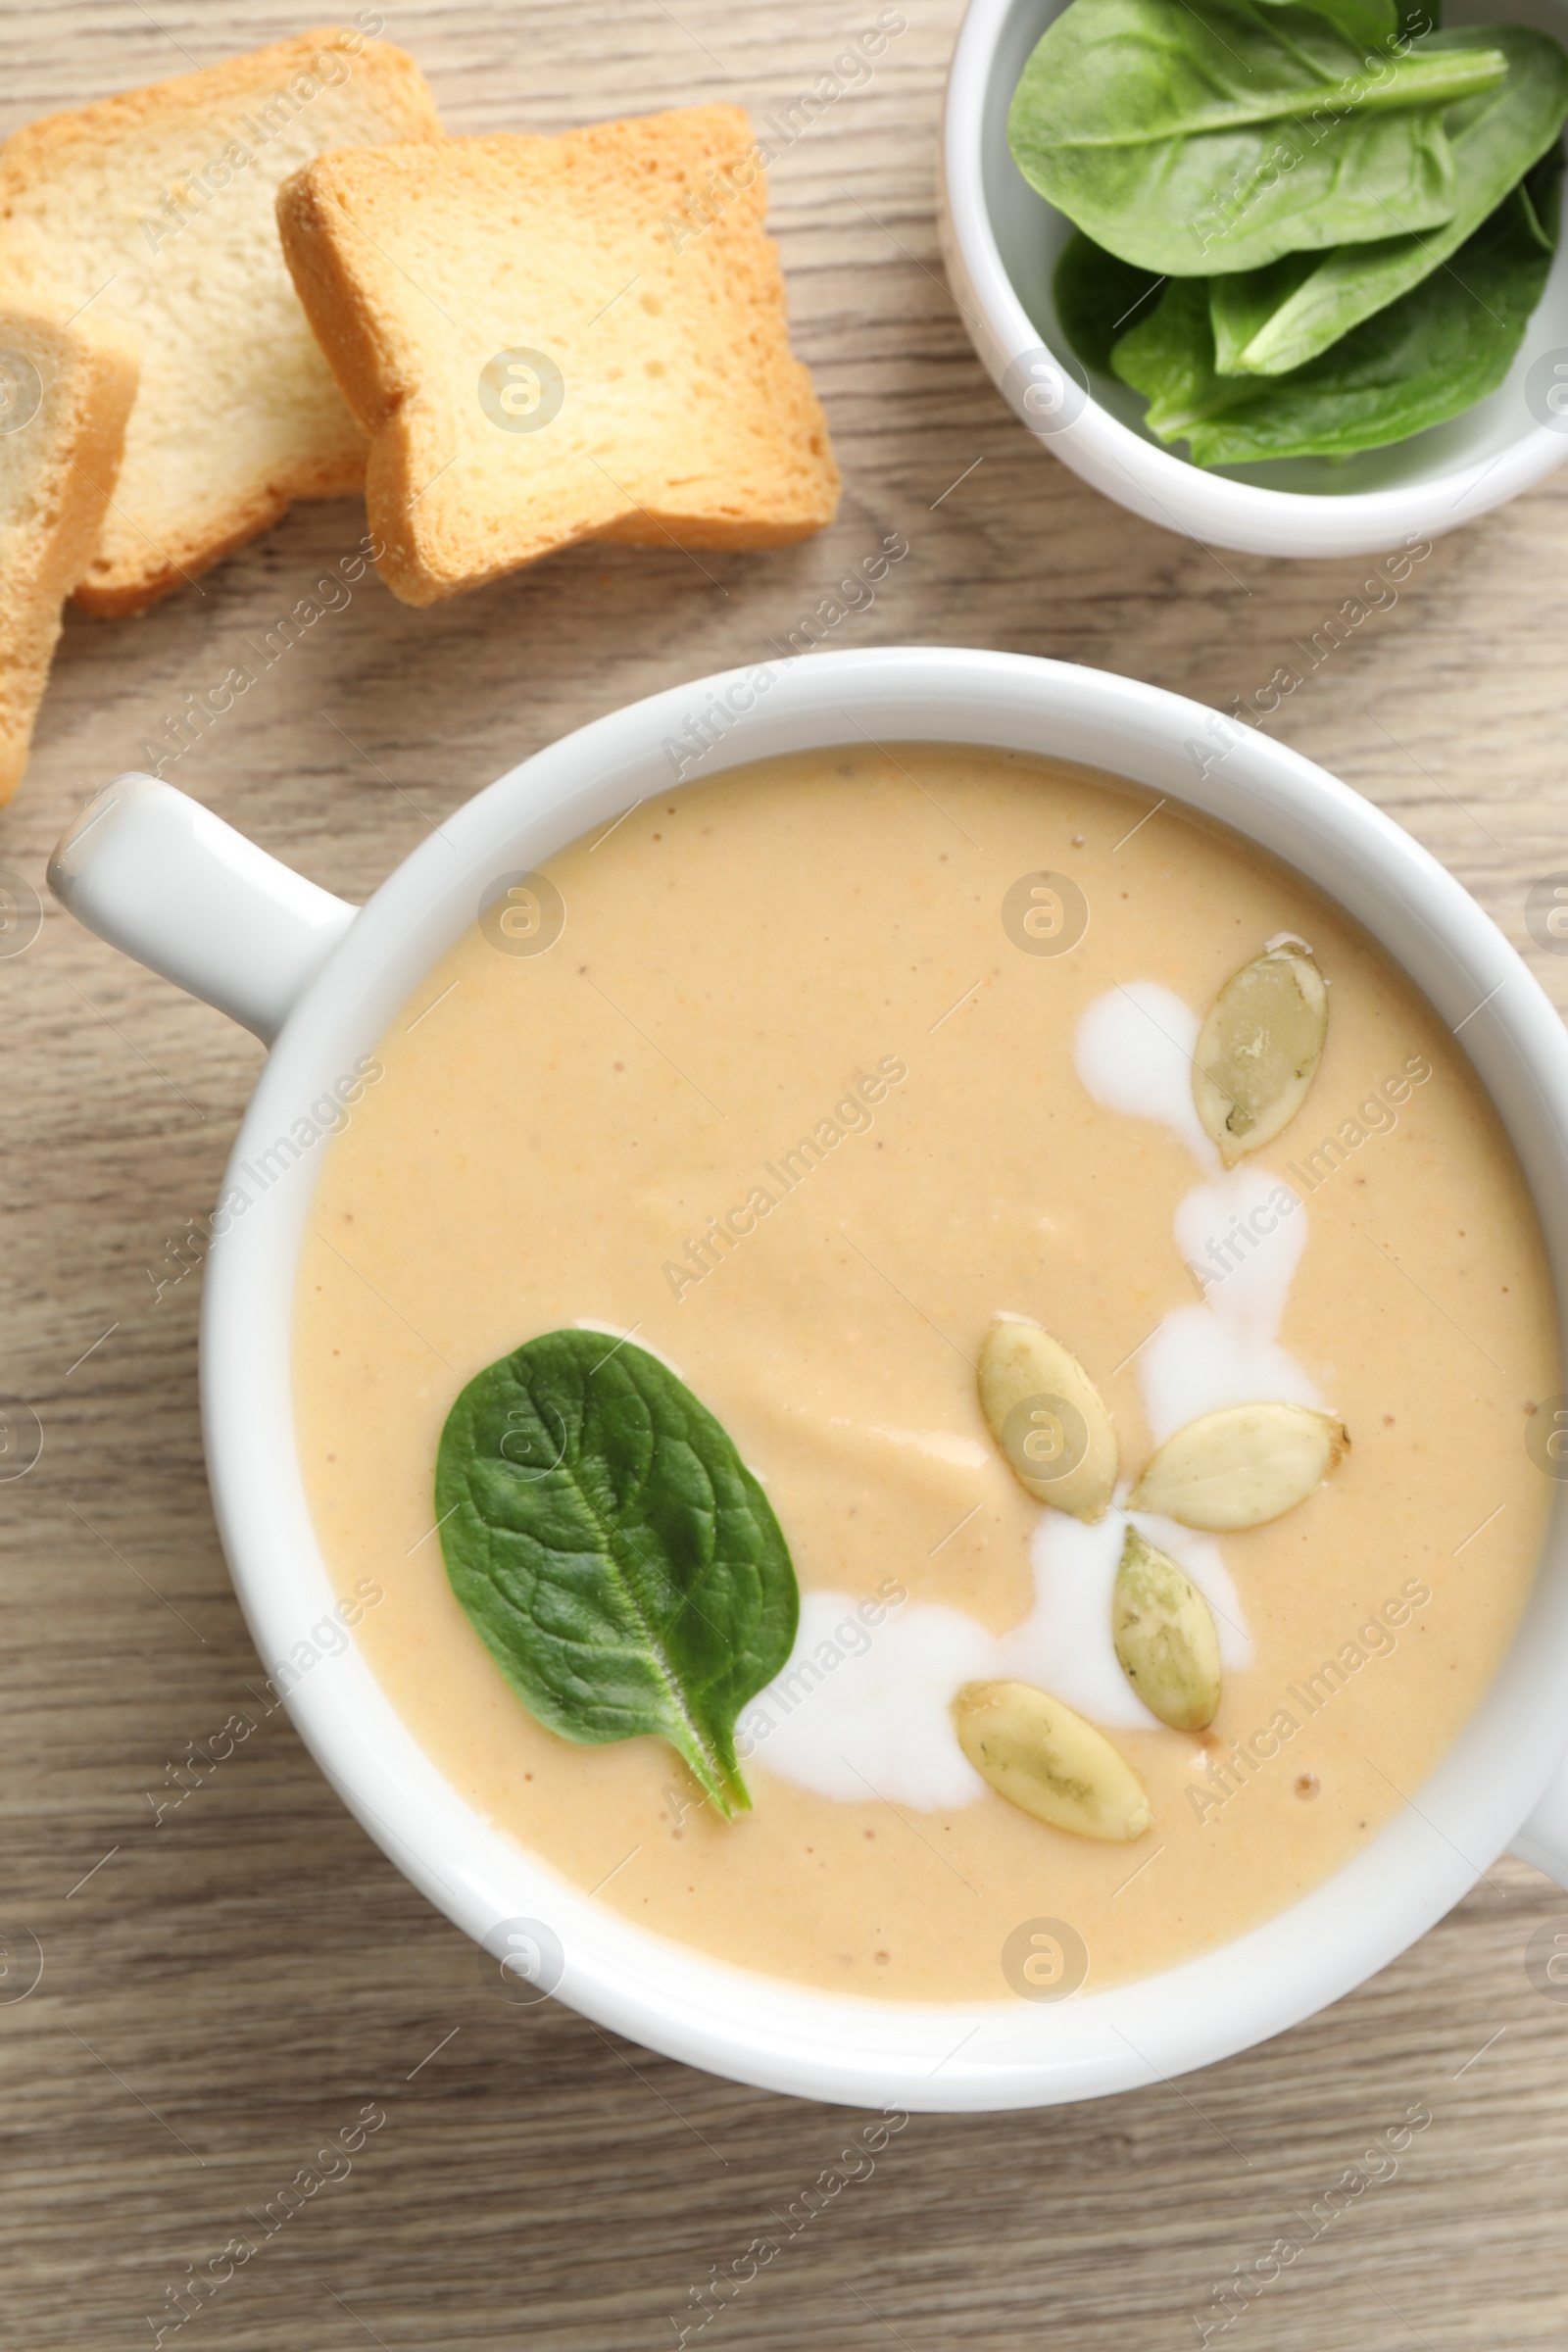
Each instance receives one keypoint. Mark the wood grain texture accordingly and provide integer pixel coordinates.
(228, 1988)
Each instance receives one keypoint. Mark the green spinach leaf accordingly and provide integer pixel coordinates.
(1267, 321)
(1189, 137)
(1539, 193)
(1097, 298)
(1241, 306)
(618, 1559)
(1433, 354)
(1372, 23)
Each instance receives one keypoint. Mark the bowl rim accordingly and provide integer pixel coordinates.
(753, 2029)
(1154, 482)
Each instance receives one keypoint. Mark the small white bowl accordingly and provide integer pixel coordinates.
(1000, 242)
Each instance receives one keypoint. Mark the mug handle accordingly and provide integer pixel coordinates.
(158, 876)
(1544, 1839)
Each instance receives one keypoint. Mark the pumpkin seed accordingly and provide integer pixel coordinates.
(1049, 1419)
(1258, 1050)
(1240, 1467)
(1165, 1636)
(1042, 1757)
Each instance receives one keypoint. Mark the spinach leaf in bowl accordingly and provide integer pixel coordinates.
(1268, 322)
(1373, 24)
(1193, 135)
(1430, 356)
(1099, 298)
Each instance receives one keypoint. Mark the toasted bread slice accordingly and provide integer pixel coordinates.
(554, 339)
(152, 214)
(64, 402)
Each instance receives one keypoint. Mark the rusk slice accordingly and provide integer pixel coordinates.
(153, 216)
(555, 340)
(64, 402)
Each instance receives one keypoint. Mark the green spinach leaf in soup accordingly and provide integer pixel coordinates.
(1433, 354)
(1268, 322)
(1190, 136)
(611, 1550)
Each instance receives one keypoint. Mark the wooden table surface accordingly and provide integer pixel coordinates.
(225, 1987)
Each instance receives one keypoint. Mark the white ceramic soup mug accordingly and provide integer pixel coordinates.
(158, 876)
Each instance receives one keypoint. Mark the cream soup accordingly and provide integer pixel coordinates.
(815, 1082)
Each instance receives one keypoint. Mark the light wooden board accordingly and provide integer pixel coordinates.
(225, 1989)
